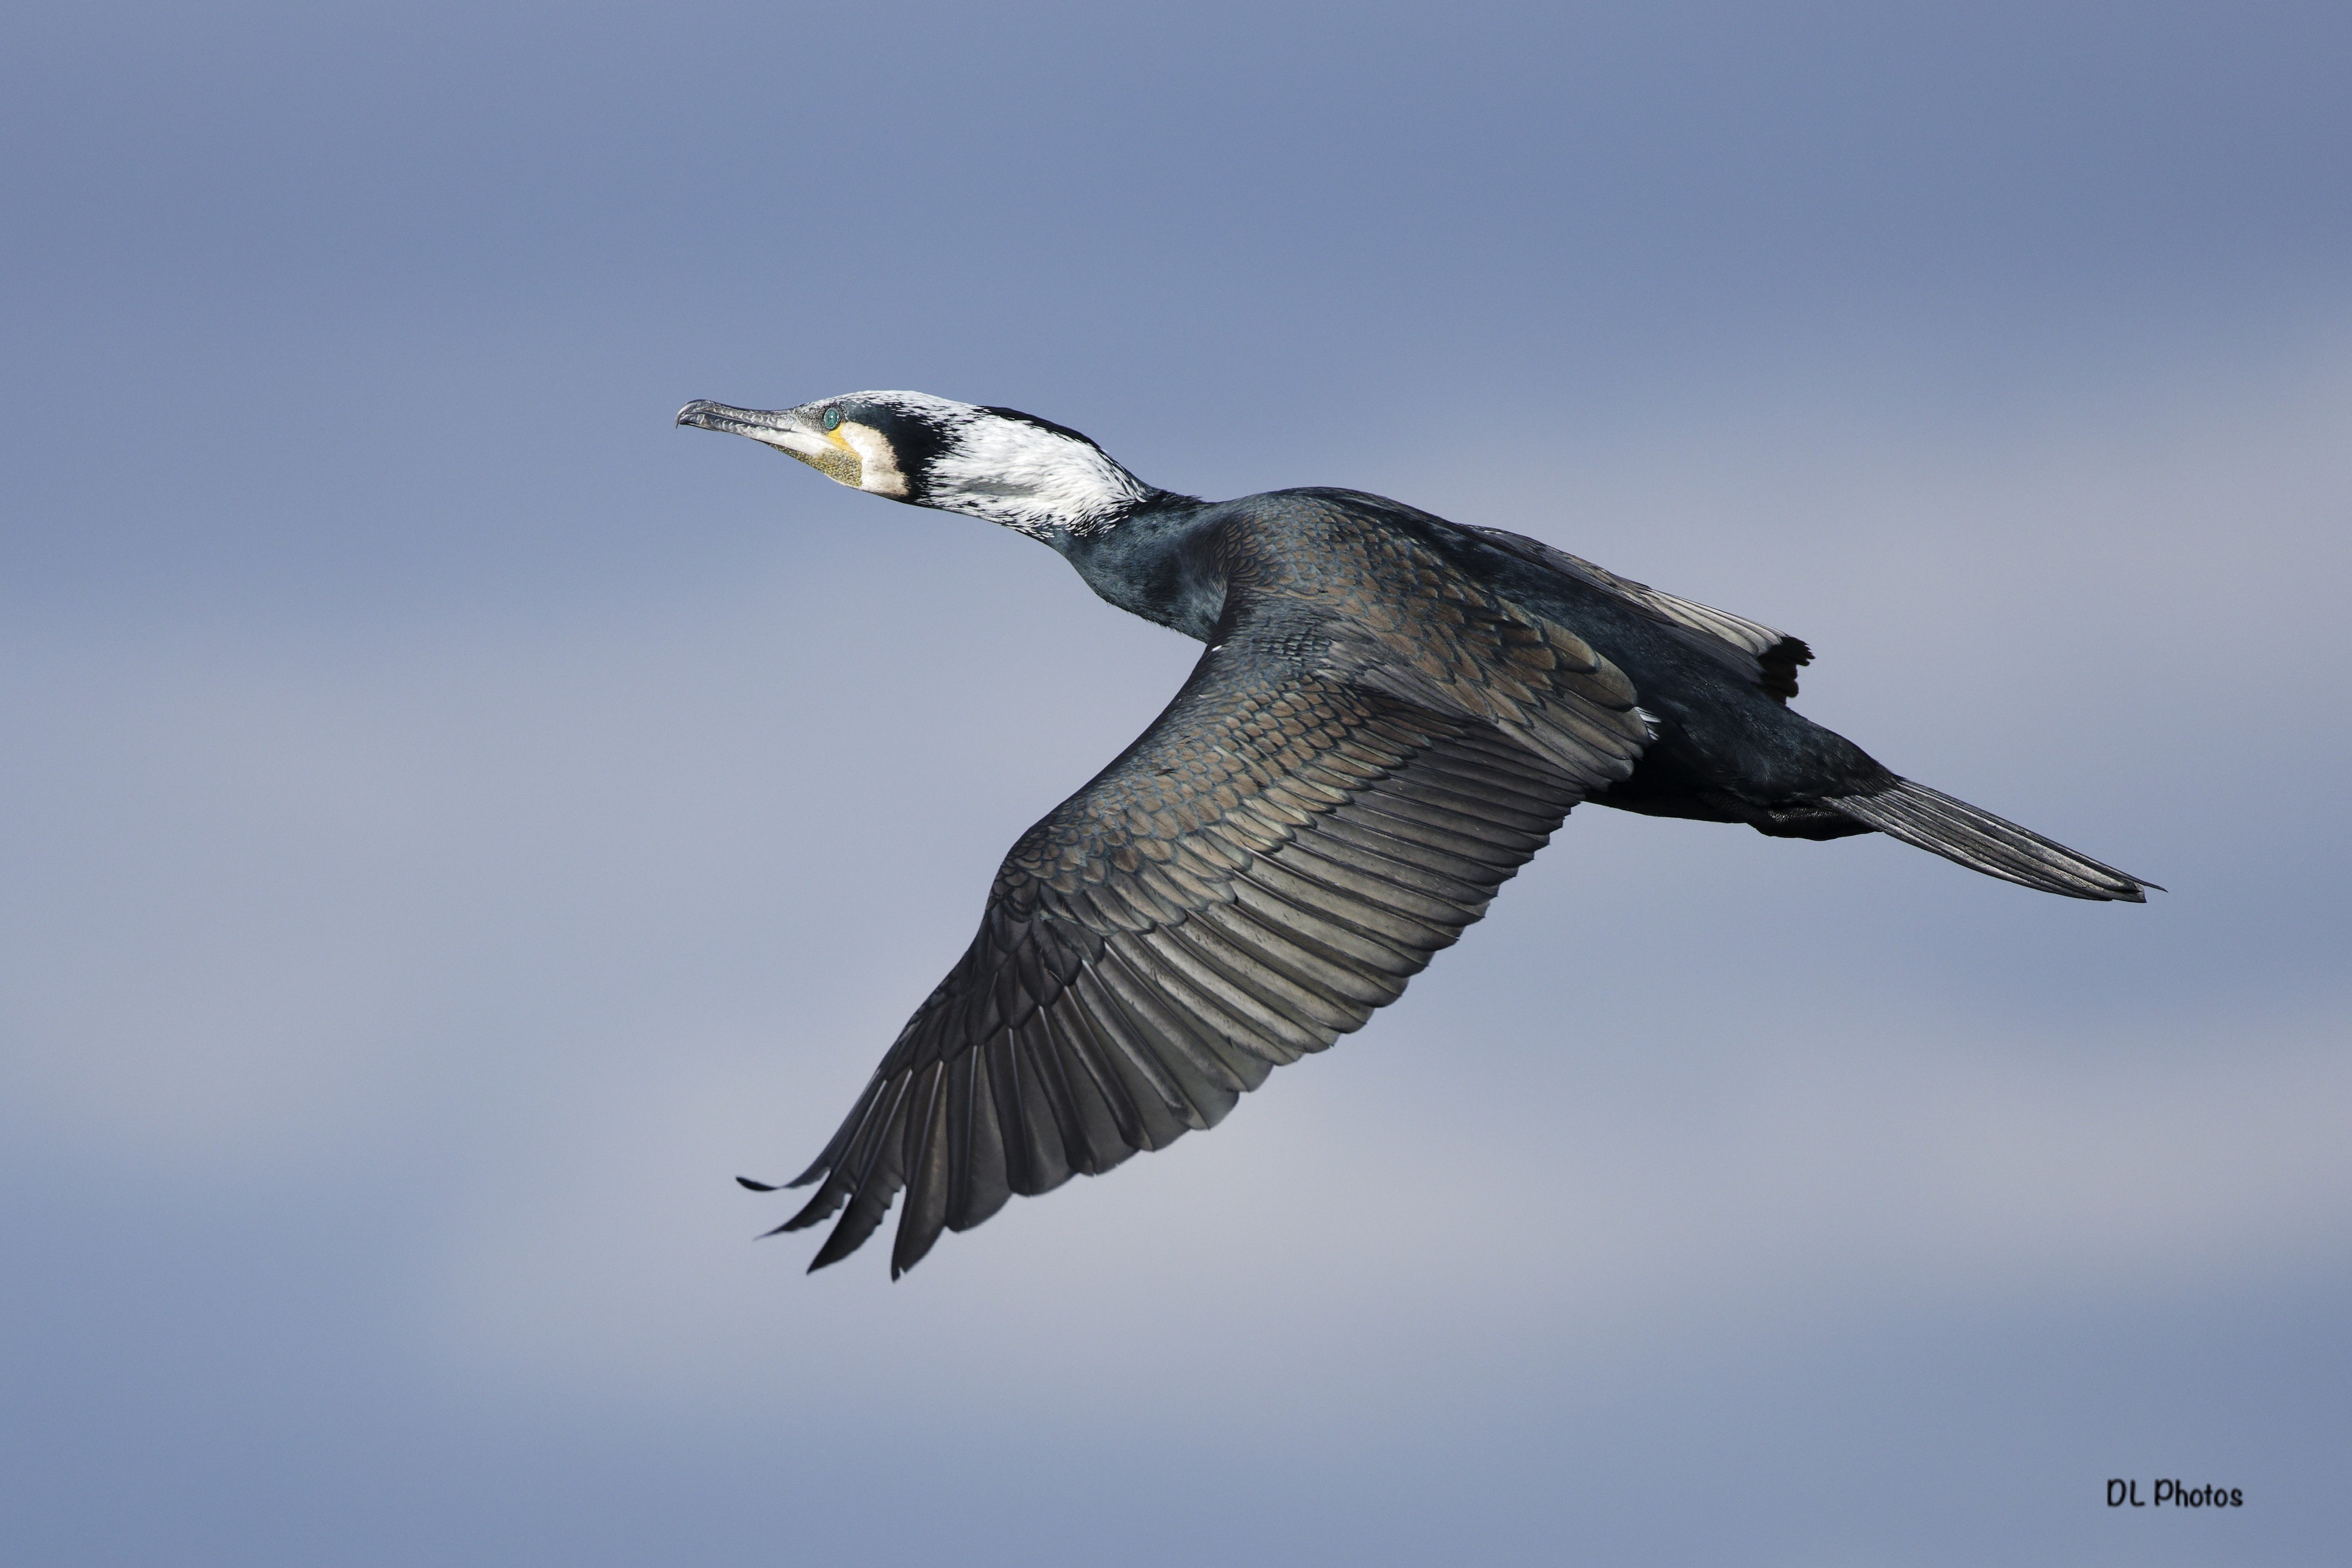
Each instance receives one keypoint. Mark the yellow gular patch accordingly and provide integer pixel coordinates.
(877, 462)
(836, 461)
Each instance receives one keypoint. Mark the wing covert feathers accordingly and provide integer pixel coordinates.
(1327, 803)
(1768, 657)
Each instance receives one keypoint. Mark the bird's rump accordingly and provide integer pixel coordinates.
(1273, 859)
(1394, 713)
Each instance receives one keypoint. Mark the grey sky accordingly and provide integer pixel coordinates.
(457, 821)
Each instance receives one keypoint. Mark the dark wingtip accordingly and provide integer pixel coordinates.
(750, 1185)
(912, 1245)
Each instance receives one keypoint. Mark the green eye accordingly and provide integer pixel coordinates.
(833, 419)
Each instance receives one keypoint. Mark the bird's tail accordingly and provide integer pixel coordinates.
(1932, 820)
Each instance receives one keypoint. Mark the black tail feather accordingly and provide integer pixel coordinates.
(1933, 821)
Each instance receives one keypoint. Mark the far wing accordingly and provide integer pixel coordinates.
(1285, 847)
(1768, 657)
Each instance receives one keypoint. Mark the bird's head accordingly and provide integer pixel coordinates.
(993, 463)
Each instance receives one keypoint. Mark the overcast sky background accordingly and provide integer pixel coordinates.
(455, 822)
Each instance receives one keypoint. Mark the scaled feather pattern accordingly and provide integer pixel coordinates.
(1393, 713)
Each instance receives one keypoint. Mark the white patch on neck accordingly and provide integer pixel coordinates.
(877, 464)
(1019, 474)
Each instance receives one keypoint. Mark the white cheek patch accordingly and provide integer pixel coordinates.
(878, 469)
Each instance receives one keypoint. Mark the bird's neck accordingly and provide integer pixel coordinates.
(1032, 481)
(1156, 558)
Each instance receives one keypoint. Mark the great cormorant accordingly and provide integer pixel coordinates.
(1394, 712)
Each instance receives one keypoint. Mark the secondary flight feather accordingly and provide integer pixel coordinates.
(1393, 713)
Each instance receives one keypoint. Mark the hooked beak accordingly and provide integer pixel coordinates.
(775, 427)
(788, 430)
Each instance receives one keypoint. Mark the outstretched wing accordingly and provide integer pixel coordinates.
(1279, 853)
(1768, 658)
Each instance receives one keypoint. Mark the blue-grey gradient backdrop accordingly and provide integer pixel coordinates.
(453, 821)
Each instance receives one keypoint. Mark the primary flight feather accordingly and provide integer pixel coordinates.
(1394, 713)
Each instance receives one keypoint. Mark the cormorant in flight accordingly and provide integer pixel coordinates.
(1394, 712)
